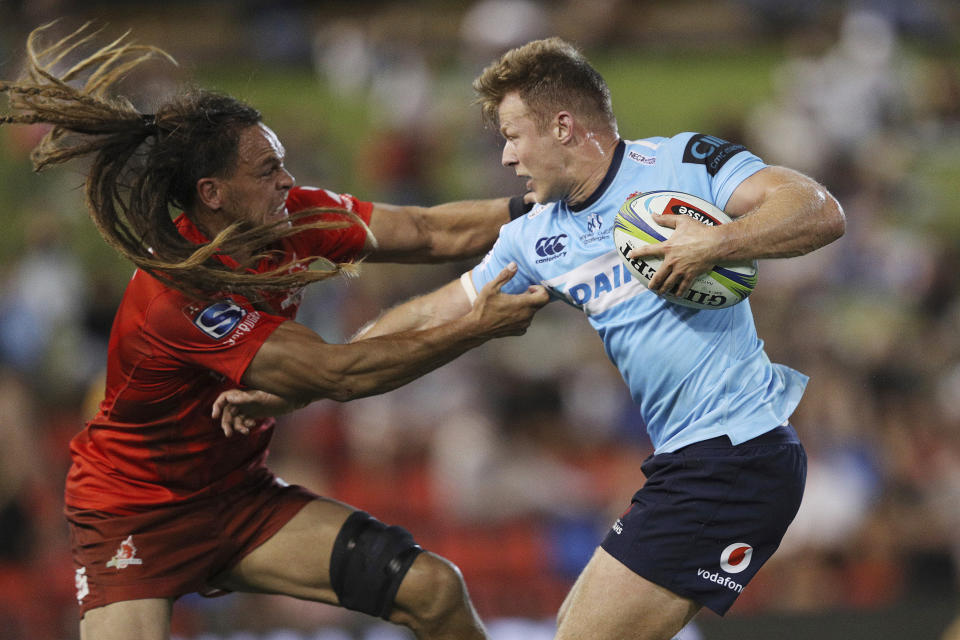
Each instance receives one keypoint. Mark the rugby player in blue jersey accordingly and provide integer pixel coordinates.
(728, 471)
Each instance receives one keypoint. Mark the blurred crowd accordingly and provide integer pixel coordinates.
(513, 460)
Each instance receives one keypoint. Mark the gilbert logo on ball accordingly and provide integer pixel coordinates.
(723, 286)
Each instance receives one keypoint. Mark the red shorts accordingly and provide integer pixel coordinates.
(170, 551)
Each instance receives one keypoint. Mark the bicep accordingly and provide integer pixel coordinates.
(448, 231)
(751, 193)
(397, 231)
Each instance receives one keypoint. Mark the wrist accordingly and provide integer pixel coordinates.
(471, 327)
(728, 243)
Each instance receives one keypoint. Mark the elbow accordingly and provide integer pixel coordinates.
(433, 248)
(836, 220)
(449, 247)
(828, 222)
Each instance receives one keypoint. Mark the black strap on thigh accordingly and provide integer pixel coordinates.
(368, 563)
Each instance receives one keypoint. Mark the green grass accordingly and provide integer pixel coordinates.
(661, 95)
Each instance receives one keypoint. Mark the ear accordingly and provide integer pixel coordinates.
(563, 127)
(210, 193)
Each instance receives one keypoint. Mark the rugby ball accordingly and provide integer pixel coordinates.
(721, 287)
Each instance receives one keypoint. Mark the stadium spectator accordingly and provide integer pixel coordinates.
(159, 503)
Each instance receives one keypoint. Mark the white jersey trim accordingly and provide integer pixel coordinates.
(466, 281)
(645, 143)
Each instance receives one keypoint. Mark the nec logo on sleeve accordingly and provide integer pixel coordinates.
(219, 319)
(710, 151)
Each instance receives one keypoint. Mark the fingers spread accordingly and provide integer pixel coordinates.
(648, 251)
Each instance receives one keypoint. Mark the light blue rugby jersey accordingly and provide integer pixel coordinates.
(695, 374)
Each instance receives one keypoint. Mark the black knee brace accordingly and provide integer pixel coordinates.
(368, 563)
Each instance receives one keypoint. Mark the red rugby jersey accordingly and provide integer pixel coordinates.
(153, 441)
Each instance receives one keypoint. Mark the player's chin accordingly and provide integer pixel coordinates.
(276, 215)
(541, 197)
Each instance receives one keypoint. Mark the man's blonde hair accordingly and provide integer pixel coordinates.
(549, 75)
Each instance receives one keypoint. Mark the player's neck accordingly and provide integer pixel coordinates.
(591, 163)
(210, 223)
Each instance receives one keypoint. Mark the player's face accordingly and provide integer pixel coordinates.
(257, 191)
(531, 153)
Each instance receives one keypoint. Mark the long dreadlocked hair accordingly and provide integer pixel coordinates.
(145, 165)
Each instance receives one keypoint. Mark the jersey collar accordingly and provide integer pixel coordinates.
(607, 179)
(192, 233)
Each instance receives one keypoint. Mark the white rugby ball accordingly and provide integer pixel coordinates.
(721, 287)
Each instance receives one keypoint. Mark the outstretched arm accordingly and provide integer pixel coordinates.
(443, 305)
(434, 234)
(296, 364)
(240, 409)
(779, 213)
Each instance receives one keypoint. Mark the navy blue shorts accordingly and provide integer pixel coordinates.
(711, 514)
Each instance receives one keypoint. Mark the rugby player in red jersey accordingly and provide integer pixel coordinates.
(159, 502)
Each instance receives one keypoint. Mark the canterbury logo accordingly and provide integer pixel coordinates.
(551, 246)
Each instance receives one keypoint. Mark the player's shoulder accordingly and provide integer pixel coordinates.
(160, 308)
(691, 149)
(652, 143)
(514, 235)
(540, 219)
(694, 143)
(147, 307)
(301, 198)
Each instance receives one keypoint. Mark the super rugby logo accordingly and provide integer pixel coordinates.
(551, 247)
(219, 319)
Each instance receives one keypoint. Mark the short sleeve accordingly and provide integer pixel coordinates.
(500, 255)
(222, 336)
(343, 244)
(722, 165)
